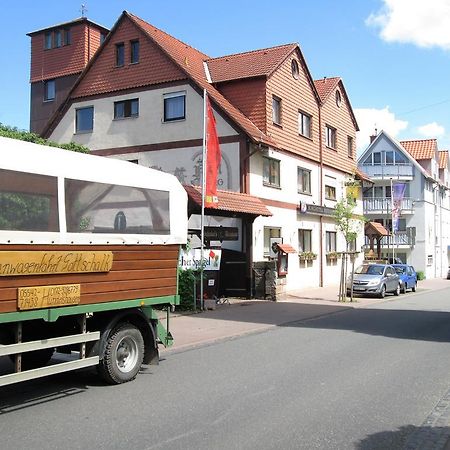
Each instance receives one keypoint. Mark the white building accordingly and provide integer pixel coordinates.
(423, 236)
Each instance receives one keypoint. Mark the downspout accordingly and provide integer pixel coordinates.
(321, 199)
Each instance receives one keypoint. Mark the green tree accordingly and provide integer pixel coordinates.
(349, 224)
(21, 135)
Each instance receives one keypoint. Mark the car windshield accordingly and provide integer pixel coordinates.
(400, 270)
(370, 269)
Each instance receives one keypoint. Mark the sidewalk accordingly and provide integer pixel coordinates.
(242, 317)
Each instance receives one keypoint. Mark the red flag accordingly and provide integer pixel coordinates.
(213, 157)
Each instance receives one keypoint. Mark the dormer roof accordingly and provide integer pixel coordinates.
(251, 64)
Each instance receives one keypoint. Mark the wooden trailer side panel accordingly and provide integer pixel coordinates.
(137, 271)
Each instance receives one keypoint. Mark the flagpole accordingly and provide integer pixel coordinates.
(202, 219)
(392, 224)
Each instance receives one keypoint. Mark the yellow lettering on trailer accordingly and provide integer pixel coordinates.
(36, 297)
(13, 263)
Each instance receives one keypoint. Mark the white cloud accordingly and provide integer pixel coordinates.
(382, 119)
(422, 23)
(431, 130)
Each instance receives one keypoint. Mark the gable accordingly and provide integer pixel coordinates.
(153, 67)
(296, 93)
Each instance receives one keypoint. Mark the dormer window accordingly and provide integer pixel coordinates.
(58, 39)
(134, 52)
(120, 54)
(294, 68)
(338, 99)
(48, 41)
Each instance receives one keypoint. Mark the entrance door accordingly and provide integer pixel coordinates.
(233, 274)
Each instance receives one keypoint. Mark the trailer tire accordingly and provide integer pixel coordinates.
(123, 356)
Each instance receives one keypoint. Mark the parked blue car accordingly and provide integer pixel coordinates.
(407, 276)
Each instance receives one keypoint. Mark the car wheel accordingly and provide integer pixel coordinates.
(383, 291)
(397, 290)
(414, 288)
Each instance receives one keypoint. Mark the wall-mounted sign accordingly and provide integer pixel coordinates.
(221, 233)
(319, 210)
(48, 296)
(49, 263)
(192, 259)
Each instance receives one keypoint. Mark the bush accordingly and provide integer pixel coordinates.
(187, 286)
(21, 135)
(420, 275)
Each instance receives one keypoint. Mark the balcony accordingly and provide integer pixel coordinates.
(383, 206)
(397, 172)
(402, 239)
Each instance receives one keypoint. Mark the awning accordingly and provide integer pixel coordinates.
(286, 248)
(229, 202)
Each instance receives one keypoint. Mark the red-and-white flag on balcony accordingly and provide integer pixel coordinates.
(213, 157)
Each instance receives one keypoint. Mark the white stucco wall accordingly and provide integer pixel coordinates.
(290, 220)
(148, 128)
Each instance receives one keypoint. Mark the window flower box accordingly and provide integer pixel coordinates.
(333, 256)
(307, 256)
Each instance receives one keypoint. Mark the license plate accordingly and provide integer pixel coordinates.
(359, 288)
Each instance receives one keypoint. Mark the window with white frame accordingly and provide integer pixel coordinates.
(276, 110)
(303, 181)
(304, 240)
(174, 106)
(304, 124)
(271, 172)
(330, 136)
(330, 188)
(270, 232)
(330, 241)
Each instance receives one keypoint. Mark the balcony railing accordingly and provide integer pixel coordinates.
(383, 205)
(401, 238)
(401, 171)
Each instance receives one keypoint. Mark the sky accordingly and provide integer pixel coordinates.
(393, 55)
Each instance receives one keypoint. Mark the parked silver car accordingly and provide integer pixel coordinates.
(374, 279)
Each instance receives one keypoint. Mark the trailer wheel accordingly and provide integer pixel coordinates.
(124, 353)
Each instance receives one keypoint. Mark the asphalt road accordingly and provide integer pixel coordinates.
(367, 378)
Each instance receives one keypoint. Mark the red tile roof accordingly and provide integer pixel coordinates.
(255, 63)
(443, 159)
(362, 176)
(420, 148)
(232, 201)
(375, 227)
(190, 61)
(286, 248)
(326, 86)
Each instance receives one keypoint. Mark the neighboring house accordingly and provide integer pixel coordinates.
(423, 235)
(287, 141)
